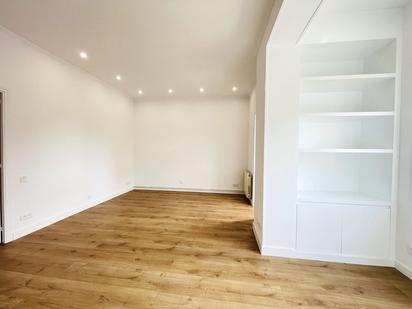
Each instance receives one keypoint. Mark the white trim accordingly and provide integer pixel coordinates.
(258, 237)
(13, 235)
(196, 190)
(407, 271)
(292, 253)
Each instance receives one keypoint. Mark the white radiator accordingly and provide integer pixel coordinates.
(247, 185)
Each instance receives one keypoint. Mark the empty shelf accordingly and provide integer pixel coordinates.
(340, 197)
(344, 82)
(350, 114)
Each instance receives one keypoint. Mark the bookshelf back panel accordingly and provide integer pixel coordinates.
(380, 97)
(348, 58)
(352, 133)
(369, 174)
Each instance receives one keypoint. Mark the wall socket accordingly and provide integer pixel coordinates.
(235, 185)
(26, 216)
(23, 179)
(410, 249)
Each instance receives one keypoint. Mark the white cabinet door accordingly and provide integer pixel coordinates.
(319, 229)
(366, 231)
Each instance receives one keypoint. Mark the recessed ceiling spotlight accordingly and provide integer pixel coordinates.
(170, 91)
(140, 92)
(234, 89)
(83, 55)
(118, 77)
(202, 89)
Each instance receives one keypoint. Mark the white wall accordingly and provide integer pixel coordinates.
(260, 106)
(277, 95)
(404, 226)
(192, 143)
(70, 135)
(252, 138)
(252, 114)
(281, 140)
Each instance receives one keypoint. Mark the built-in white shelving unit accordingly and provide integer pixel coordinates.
(346, 145)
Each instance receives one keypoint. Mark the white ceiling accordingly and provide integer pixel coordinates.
(153, 44)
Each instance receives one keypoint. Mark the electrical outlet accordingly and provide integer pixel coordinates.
(180, 181)
(26, 216)
(128, 183)
(410, 249)
(23, 179)
(235, 185)
(89, 197)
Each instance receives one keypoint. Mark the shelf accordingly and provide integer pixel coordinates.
(340, 197)
(335, 83)
(349, 114)
(346, 150)
(352, 57)
(343, 51)
(350, 77)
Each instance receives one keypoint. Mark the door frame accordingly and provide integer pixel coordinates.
(2, 169)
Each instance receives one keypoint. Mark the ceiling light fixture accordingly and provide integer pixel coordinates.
(118, 77)
(202, 89)
(83, 55)
(140, 92)
(234, 89)
(170, 91)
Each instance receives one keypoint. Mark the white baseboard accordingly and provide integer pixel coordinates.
(407, 271)
(195, 190)
(294, 254)
(18, 233)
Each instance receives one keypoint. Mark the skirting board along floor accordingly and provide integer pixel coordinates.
(195, 190)
(152, 249)
(294, 254)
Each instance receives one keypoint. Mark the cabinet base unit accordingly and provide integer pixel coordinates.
(356, 231)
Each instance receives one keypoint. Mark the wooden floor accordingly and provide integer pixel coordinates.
(178, 250)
